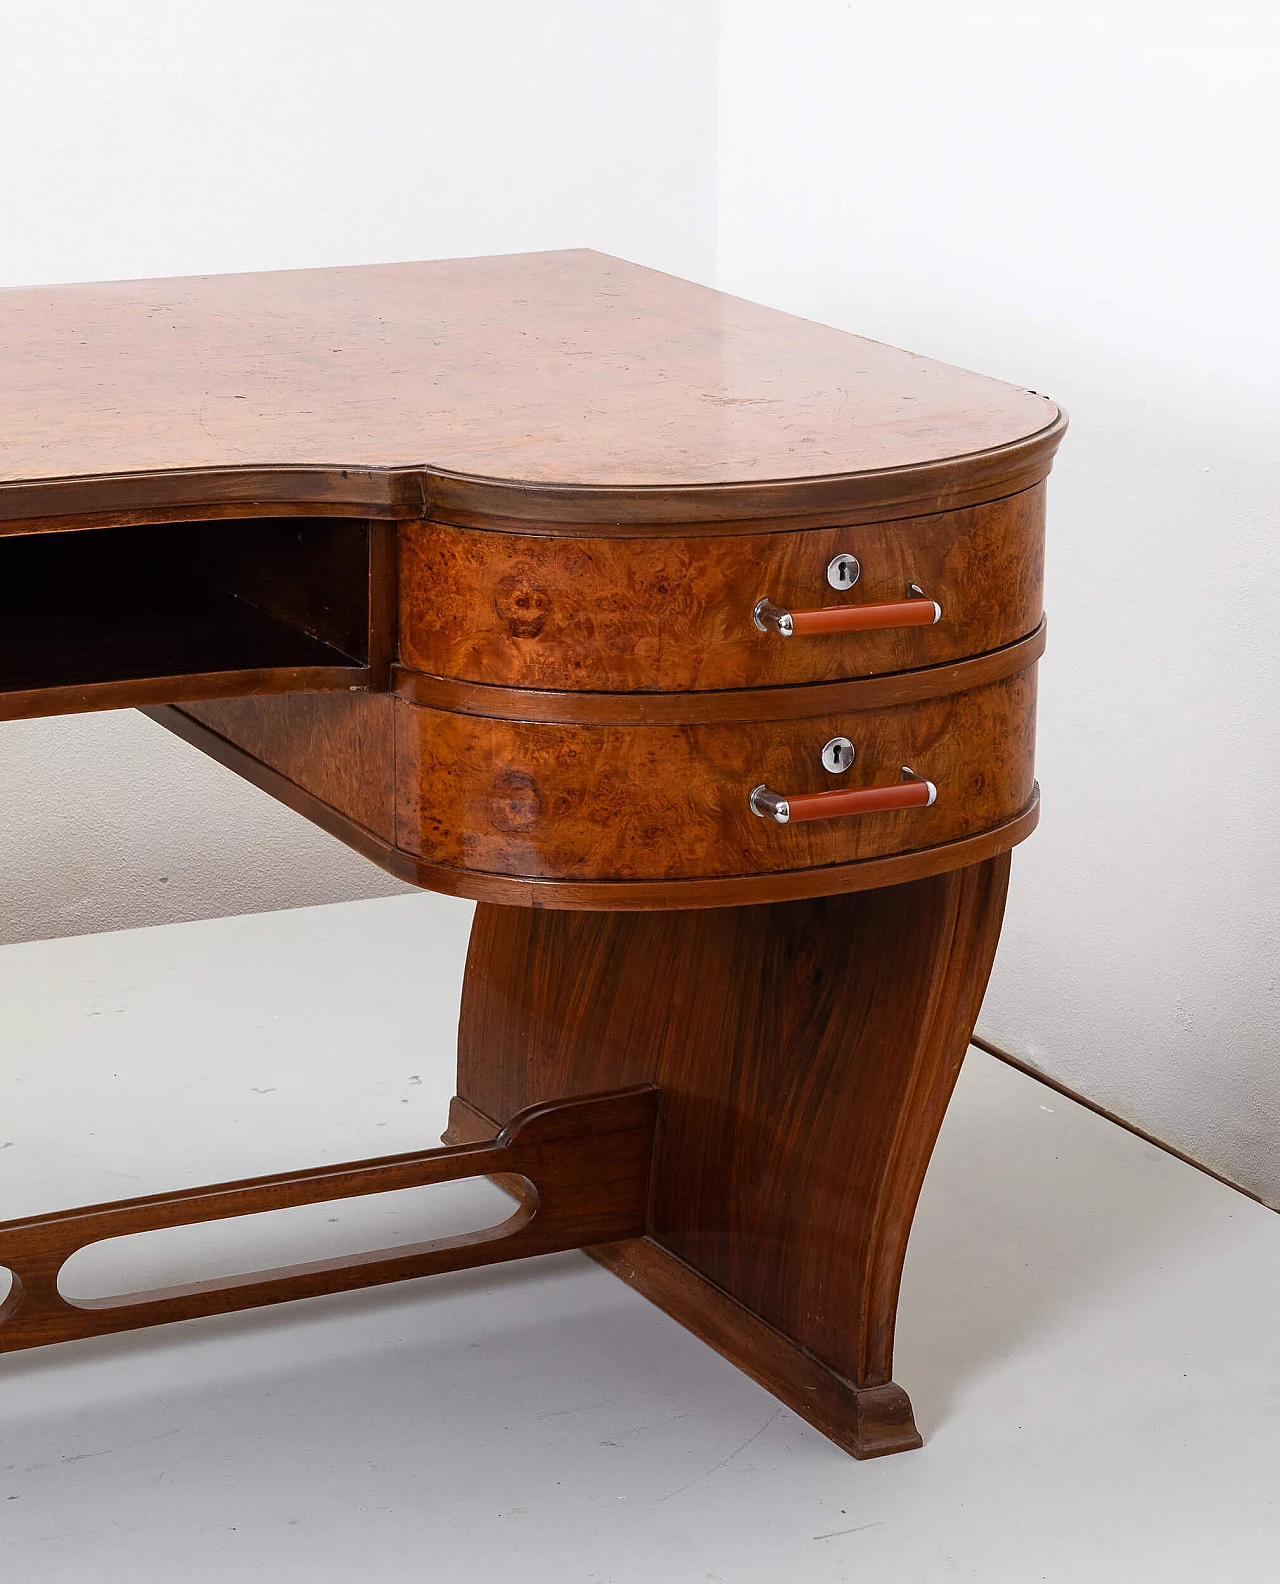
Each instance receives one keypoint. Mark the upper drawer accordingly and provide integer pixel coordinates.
(673, 614)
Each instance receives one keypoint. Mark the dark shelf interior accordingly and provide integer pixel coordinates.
(182, 599)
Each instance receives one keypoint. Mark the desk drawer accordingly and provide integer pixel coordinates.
(675, 614)
(671, 801)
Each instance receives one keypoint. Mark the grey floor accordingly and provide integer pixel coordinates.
(1088, 1328)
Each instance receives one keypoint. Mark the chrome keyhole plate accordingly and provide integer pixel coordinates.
(843, 571)
(837, 756)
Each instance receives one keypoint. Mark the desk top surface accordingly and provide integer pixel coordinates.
(569, 368)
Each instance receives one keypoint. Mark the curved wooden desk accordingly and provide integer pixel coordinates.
(697, 643)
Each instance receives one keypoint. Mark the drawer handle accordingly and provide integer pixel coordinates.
(914, 611)
(911, 792)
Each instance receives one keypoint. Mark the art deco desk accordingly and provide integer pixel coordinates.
(695, 642)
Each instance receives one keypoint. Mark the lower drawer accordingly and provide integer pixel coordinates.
(671, 801)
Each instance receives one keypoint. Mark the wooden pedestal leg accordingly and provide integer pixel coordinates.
(806, 1052)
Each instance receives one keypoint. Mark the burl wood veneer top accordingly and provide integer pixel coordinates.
(567, 368)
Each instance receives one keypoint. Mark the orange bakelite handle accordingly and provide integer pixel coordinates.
(865, 618)
(846, 618)
(909, 793)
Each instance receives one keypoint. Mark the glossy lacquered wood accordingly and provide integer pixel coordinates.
(671, 802)
(553, 612)
(319, 752)
(540, 499)
(624, 814)
(584, 1163)
(806, 1053)
(579, 707)
(593, 896)
(568, 385)
(140, 692)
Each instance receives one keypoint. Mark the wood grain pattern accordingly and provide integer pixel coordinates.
(570, 480)
(670, 802)
(870, 1421)
(806, 1053)
(586, 1161)
(596, 384)
(581, 708)
(603, 895)
(144, 692)
(338, 747)
(661, 615)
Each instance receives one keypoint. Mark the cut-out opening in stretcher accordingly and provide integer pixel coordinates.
(133, 1267)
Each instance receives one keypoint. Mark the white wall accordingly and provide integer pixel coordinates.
(143, 138)
(107, 821)
(1083, 199)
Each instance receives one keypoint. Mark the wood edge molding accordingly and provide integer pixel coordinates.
(1010, 1060)
(152, 516)
(603, 509)
(563, 707)
(868, 1422)
(142, 692)
(420, 490)
(844, 515)
(117, 499)
(602, 895)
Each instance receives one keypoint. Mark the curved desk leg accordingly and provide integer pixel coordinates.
(806, 1052)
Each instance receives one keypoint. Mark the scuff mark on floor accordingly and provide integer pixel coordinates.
(716, 1467)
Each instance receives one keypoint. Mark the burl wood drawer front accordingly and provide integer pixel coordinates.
(619, 615)
(671, 801)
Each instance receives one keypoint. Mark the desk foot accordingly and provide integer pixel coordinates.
(867, 1422)
(806, 1053)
